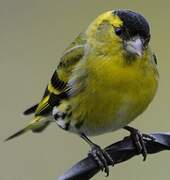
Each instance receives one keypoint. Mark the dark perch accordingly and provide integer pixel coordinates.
(120, 151)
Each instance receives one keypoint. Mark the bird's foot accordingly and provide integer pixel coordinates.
(102, 158)
(138, 139)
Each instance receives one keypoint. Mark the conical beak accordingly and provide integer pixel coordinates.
(134, 47)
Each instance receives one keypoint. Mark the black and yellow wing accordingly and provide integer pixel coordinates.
(56, 89)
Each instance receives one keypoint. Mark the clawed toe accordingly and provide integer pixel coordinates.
(138, 140)
(102, 158)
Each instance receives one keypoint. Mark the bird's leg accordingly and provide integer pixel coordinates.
(138, 140)
(102, 158)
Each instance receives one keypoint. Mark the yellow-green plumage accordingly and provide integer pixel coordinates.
(106, 87)
(116, 92)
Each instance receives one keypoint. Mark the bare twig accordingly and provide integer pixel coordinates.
(119, 151)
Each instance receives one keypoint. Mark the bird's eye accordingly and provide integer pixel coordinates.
(118, 31)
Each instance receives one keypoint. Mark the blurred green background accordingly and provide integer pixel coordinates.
(33, 34)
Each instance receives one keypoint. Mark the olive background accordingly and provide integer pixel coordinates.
(33, 35)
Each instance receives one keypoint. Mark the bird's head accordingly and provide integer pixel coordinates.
(120, 29)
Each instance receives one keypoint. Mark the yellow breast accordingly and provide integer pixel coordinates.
(115, 93)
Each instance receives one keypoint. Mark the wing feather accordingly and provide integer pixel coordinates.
(57, 87)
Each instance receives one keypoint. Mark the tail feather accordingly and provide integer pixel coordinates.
(20, 132)
(30, 110)
(38, 124)
(24, 130)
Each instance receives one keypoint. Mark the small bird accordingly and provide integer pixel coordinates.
(104, 80)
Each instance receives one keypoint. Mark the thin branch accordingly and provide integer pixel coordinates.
(120, 151)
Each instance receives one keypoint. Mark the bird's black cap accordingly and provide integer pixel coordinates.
(133, 24)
